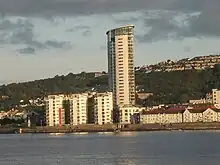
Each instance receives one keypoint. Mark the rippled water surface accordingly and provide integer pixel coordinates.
(149, 148)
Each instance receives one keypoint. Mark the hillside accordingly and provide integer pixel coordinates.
(168, 87)
(196, 63)
(58, 84)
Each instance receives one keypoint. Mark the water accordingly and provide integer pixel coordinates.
(143, 148)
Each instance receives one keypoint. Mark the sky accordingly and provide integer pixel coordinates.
(43, 38)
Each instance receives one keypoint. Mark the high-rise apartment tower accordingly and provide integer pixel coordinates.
(121, 65)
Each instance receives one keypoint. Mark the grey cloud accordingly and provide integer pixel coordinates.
(21, 32)
(78, 28)
(207, 24)
(43, 45)
(18, 32)
(81, 28)
(166, 26)
(23, 35)
(27, 50)
(78, 7)
(8, 25)
(159, 26)
(67, 7)
(56, 44)
(126, 21)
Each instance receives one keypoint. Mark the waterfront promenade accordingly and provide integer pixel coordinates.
(112, 128)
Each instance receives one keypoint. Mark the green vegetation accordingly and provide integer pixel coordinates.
(167, 87)
(7, 121)
(38, 109)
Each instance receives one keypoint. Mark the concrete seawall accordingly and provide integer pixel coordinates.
(111, 128)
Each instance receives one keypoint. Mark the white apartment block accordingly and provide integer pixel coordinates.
(99, 105)
(213, 97)
(127, 111)
(121, 73)
(216, 96)
(55, 114)
(78, 108)
(103, 107)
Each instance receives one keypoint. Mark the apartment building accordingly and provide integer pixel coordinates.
(103, 107)
(79, 108)
(55, 113)
(127, 111)
(215, 96)
(121, 65)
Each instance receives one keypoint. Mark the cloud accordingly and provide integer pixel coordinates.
(164, 25)
(21, 32)
(22, 35)
(78, 28)
(56, 44)
(85, 30)
(27, 50)
(68, 7)
(160, 28)
(7, 25)
(127, 20)
(79, 7)
(17, 32)
(206, 24)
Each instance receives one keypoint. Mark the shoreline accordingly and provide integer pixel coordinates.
(111, 128)
(127, 131)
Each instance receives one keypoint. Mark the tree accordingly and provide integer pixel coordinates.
(167, 87)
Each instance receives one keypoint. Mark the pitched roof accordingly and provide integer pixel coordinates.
(154, 111)
(173, 111)
(197, 110)
(180, 110)
(176, 109)
(165, 111)
(202, 109)
(215, 109)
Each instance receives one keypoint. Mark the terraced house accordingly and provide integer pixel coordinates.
(181, 115)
